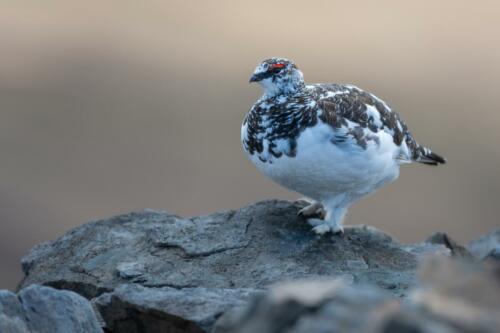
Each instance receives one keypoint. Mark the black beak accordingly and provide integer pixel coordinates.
(258, 77)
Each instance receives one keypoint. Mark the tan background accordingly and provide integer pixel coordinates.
(108, 107)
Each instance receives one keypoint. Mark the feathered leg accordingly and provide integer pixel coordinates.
(332, 222)
(336, 209)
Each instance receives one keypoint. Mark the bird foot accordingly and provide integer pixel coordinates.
(321, 227)
(314, 209)
(338, 230)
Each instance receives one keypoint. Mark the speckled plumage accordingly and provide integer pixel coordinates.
(333, 143)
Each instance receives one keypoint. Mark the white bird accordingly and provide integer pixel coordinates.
(331, 143)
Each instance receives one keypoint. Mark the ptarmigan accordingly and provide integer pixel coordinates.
(332, 143)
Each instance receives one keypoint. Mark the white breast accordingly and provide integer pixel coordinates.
(322, 169)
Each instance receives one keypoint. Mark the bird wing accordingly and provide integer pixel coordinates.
(363, 116)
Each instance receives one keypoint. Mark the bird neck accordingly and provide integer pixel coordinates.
(287, 85)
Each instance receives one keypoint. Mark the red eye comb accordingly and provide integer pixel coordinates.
(278, 65)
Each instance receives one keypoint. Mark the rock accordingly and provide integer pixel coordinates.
(129, 270)
(456, 249)
(309, 306)
(246, 249)
(487, 246)
(12, 317)
(46, 310)
(166, 309)
(454, 297)
(461, 294)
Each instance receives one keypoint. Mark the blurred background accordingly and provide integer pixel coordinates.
(112, 106)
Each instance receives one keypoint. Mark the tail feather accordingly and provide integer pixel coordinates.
(426, 156)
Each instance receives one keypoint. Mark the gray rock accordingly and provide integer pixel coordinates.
(43, 309)
(456, 250)
(166, 309)
(129, 270)
(487, 246)
(308, 306)
(12, 317)
(250, 248)
(455, 297)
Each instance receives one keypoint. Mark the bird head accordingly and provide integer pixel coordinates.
(278, 76)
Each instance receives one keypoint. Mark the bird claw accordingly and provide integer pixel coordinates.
(338, 230)
(315, 215)
(322, 228)
(314, 209)
(315, 222)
